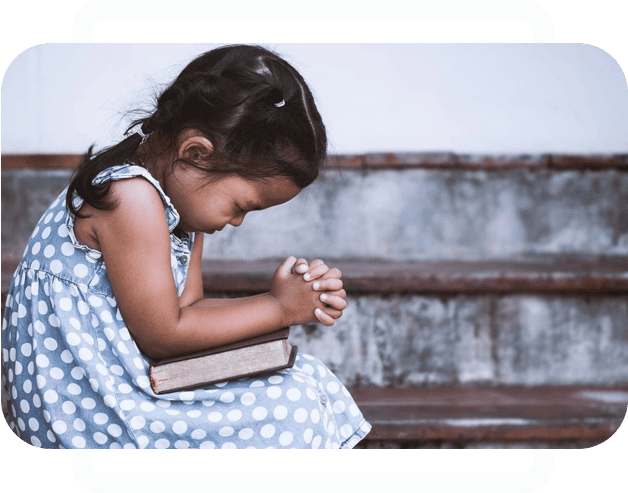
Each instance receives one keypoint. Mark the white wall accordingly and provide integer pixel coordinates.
(465, 98)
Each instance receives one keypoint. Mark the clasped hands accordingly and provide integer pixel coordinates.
(322, 295)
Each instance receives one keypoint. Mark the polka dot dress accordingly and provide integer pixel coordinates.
(76, 379)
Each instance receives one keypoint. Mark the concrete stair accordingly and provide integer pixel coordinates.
(500, 281)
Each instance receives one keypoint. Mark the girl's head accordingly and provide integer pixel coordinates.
(254, 108)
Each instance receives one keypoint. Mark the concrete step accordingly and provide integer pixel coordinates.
(400, 207)
(464, 417)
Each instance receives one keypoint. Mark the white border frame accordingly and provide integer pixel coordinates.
(542, 32)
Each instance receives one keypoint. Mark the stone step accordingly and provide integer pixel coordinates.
(399, 207)
(459, 417)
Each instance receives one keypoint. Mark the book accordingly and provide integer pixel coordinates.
(251, 357)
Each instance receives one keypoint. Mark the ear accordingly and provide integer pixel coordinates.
(193, 145)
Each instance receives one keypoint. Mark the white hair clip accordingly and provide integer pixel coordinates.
(280, 104)
(142, 134)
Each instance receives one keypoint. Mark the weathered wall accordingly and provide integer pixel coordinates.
(509, 340)
(409, 214)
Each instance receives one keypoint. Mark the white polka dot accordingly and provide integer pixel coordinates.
(245, 433)
(36, 248)
(143, 381)
(114, 430)
(46, 233)
(77, 373)
(286, 438)
(48, 218)
(147, 406)
(346, 431)
(88, 403)
(226, 431)
(157, 427)
(100, 418)
(27, 386)
(31, 368)
(78, 442)
(331, 428)
(67, 249)
(105, 316)
(79, 424)
(42, 361)
(115, 446)
(273, 392)
(275, 379)
(125, 335)
(234, 415)
(26, 349)
(56, 266)
(20, 424)
(83, 307)
(125, 388)
(172, 412)
(198, 434)
(267, 431)
(259, 413)
(56, 373)
(24, 406)
(310, 394)
(195, 413)
(186, 396)
(65, 304)
(162, 443)
(59, 427)
(293, 394)
(137, 422)
(85, 354)
(42, 307)
(94, 384)
(214, 417)
(280, 412)
(257, 383)
(74, 389)
(247, 399)
(181, 444)
(41, 381)
(207, 445)
(54, 321)
(179, 427)
(50, 344)
(308, 369)
(80, 270)
(51, 437)
(122, 348)
(163, 404)
(333, 387)
(339, 407)
(315, 416)
(33, 424)
(100, 438)
(50, 396)
(353, 409)
(66, 356)
(35, 441)
(300, 415)
(307, 435)
(109, 333)
(322, 371)
(49, 251)
(127, 404)
(227, 397)
(317, 441)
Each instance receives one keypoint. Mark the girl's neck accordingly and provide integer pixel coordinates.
(155, 157)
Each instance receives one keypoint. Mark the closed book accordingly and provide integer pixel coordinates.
(258, 355)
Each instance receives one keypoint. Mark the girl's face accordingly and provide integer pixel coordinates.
(208, 207)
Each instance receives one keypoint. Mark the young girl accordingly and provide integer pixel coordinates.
(111, 276)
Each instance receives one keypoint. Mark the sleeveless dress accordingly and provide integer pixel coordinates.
(75, 378)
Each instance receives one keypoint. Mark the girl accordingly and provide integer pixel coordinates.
(112, 275)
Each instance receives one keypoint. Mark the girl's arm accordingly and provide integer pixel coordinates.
(135, 243)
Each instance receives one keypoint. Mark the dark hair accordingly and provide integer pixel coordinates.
(234, 95)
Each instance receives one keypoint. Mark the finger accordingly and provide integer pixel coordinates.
(332, 312)
(323, 317)
(334, 301)
(333, 273)
(300, 266)
(285, 269)
(327, 285)
(316, 272)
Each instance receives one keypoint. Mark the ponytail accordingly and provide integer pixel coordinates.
(91, 166)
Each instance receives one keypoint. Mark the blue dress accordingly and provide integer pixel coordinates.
(76, 379)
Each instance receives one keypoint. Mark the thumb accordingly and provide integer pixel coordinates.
(285, 269)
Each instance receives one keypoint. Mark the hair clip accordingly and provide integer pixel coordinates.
(280, 103)
(142, 134)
